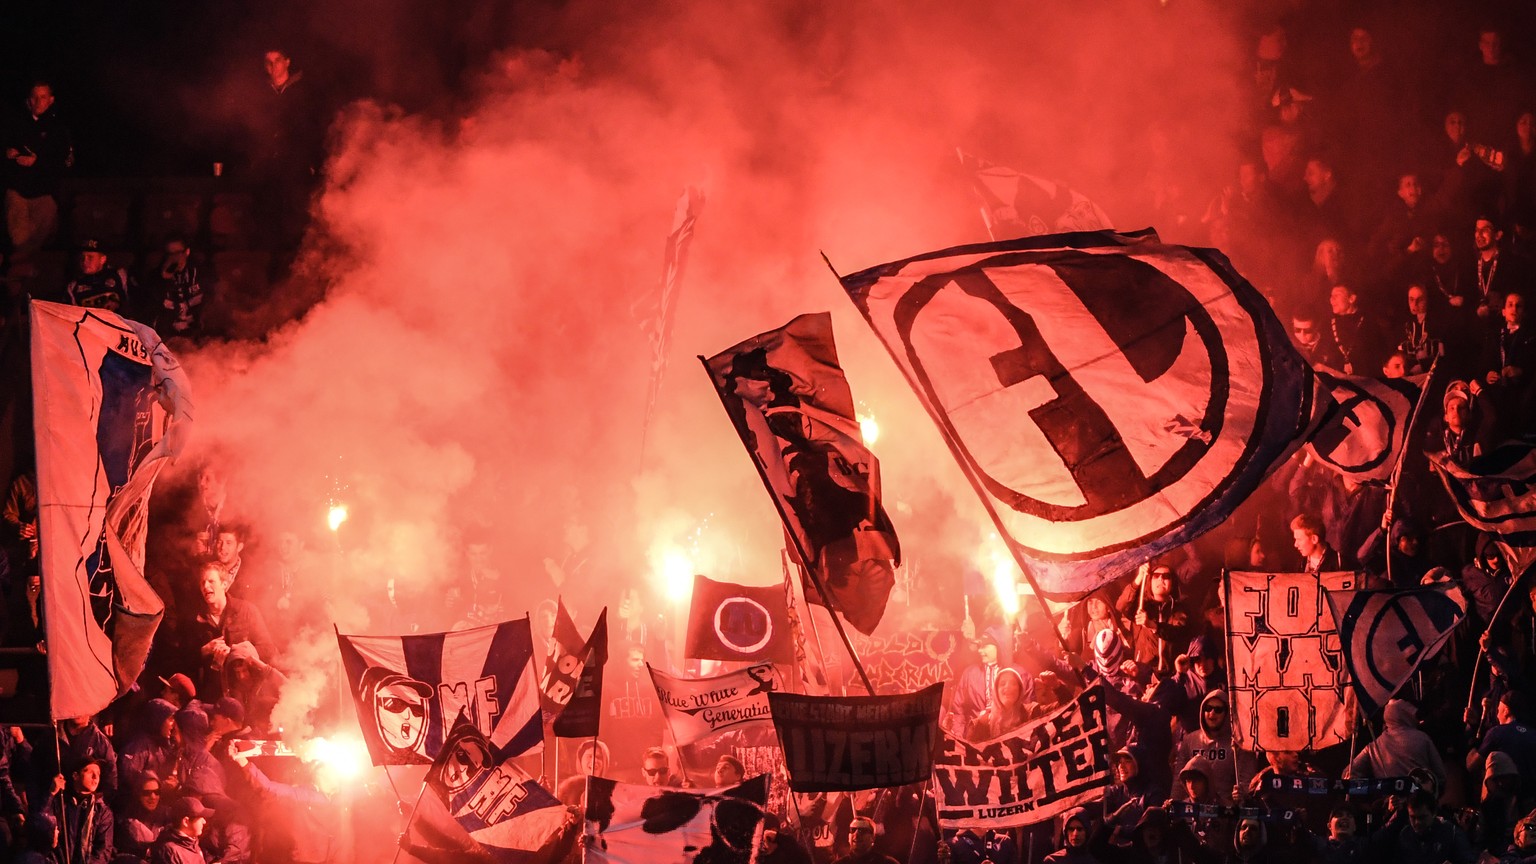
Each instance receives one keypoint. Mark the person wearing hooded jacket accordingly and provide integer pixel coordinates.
(1400, 748)
(1131, 792)
(1011, 706)
(1193, 785)
(155, 748)
(1250, 844)
(1203, 675)
(1213, 742)
(1076, 828)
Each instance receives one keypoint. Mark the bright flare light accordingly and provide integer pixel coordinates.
(335, 516)
(338, 762)
(677, 575)
(869, 429)
(1002, 570)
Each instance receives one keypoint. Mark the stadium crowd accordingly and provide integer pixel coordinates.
(1388, 249)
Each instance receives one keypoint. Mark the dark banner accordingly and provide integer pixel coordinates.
(1034, 773)
(850, 743)
(584, 712)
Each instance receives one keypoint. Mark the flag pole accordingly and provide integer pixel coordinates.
(1402, 458)
(805, 559)
(411, 818)
(1514, 583)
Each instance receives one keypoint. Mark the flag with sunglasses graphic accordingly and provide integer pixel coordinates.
(408, 689)
(483, 803)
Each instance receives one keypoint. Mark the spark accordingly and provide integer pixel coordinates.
(869, 428)
(335, 516)
(1002, 571)
(676, 575)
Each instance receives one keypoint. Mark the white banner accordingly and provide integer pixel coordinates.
(111, 408)
(1287, 674)
(698, 707)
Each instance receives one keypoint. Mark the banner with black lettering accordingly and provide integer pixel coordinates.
(1034, 773)
(563, 664)
(1387, 634)
(743, 623)
(791, 405)
(696, 708)
(1286, 673)
(1367, 425)
(1109, 396)
(848, 743)
(584, 711)
(111, 408)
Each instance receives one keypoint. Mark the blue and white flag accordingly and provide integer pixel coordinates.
(1495, 492)
(1109, 396)
(1386, 634)
(111, 408)
(410, 689)
(482, 803)
(1367, 424)
(1014, 204)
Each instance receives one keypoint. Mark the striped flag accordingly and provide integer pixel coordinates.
(1385, 635)
(1495, 492)
(484, 807)
(111, 408)
(409, 689)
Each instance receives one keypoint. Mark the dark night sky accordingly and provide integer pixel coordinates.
(156, 87)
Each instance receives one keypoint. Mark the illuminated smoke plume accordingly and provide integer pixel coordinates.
(474, 369)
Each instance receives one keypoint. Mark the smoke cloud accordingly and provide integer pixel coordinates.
(474, 370)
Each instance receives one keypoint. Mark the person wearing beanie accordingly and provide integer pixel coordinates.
(199, 773)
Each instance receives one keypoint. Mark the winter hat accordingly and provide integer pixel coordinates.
(1108, 652)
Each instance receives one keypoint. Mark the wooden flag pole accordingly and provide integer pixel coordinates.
(986, 501)
(805, 559)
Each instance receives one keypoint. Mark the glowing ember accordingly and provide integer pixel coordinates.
(337, 761)
(335, 516)
(869, 429)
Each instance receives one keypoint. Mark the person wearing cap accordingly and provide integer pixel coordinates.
(225, 717)
(85, 820)
(861, 844)
(81, 740)
(973, 692)
(178, 689)
(98, 286)
(179, 843)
